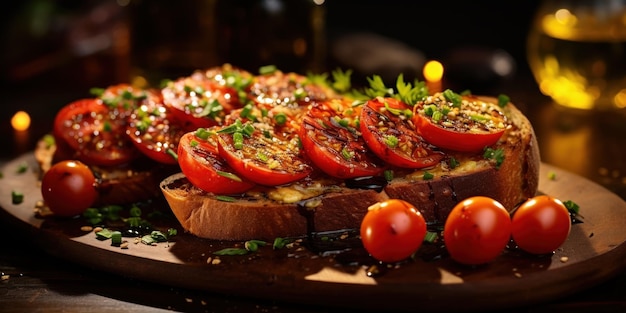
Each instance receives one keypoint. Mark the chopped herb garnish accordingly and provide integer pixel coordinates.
(391, 141)
(388, 175)
(225, 198)
(279, 243)
(428, 175)
(452, 97)
(17, 197)
(116, 238)
(267, 69)
(203, 133)
(48, 140)
(229, 175)
(231, 251)
(430, 237)
(572, 207)
(280, 119)
(22, 168)
(503, 100)
(172, 153)
(453, 163)
(347, 154)
(494, 154)
(551, 175)
(98, 92)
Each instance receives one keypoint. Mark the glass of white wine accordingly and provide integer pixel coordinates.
(576, 50)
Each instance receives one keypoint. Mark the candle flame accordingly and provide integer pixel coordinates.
(20, 121)
(433, 71)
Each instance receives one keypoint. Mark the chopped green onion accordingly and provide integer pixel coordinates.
(280, 118)
(267, 69)
(388, 175)
(279, 243)
(229, 175)
(22, 168)
(391, 141)
(172, 153)
(231, 251)
(238, 140)
(17, 197)
(428, 175)
(116, 238)
(503, 100)
(494, 154)
(225, 198)
(452, 97)
(453, 163)
(430, 237)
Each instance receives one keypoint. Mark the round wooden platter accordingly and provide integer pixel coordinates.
(338, 277)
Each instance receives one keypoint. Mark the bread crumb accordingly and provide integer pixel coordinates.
(5, 277)
(86, 228)
(518, 274)
(564, 259)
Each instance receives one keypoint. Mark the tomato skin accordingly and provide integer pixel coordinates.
(96, 134)
(477, 230)
(337, 150)
(454, 140)
(200, 102)
(154, 130)
(392, 230)
(468, 126)
(541, 225)
(282, 152)
(377, 123)
(201, 164)
(69, 188)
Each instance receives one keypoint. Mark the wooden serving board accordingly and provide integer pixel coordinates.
(594, 252)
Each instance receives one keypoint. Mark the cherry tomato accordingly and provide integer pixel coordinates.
(388, 133)
(95, 133)
(204, 168)
(69, 188)
(154, 130)
(541, 225)
(392, 230)
(464, 124)
(331, 140)
(477, 230)
(263, 156)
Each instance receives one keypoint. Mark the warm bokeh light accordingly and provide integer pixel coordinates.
(433, 71)
(20, 121)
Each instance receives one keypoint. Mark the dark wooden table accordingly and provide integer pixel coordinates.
(592, 145)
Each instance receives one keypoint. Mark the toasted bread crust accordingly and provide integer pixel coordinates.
(259, 217)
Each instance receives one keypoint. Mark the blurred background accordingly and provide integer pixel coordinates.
(55, 51)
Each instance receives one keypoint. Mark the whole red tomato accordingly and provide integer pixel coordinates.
(477, 230)
(541, 225)
(69, 188)
(392, 230)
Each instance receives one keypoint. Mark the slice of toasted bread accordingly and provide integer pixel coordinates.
(328, 205)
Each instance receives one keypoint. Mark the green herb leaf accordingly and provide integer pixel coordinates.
(231, 251)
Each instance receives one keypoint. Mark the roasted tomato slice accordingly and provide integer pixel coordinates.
(387, 129)
(261, 154)
(199, 101)
(331, 139)
(466, 124)
(276, 88)
(154, 130)
(204, 168)
(96, 134)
